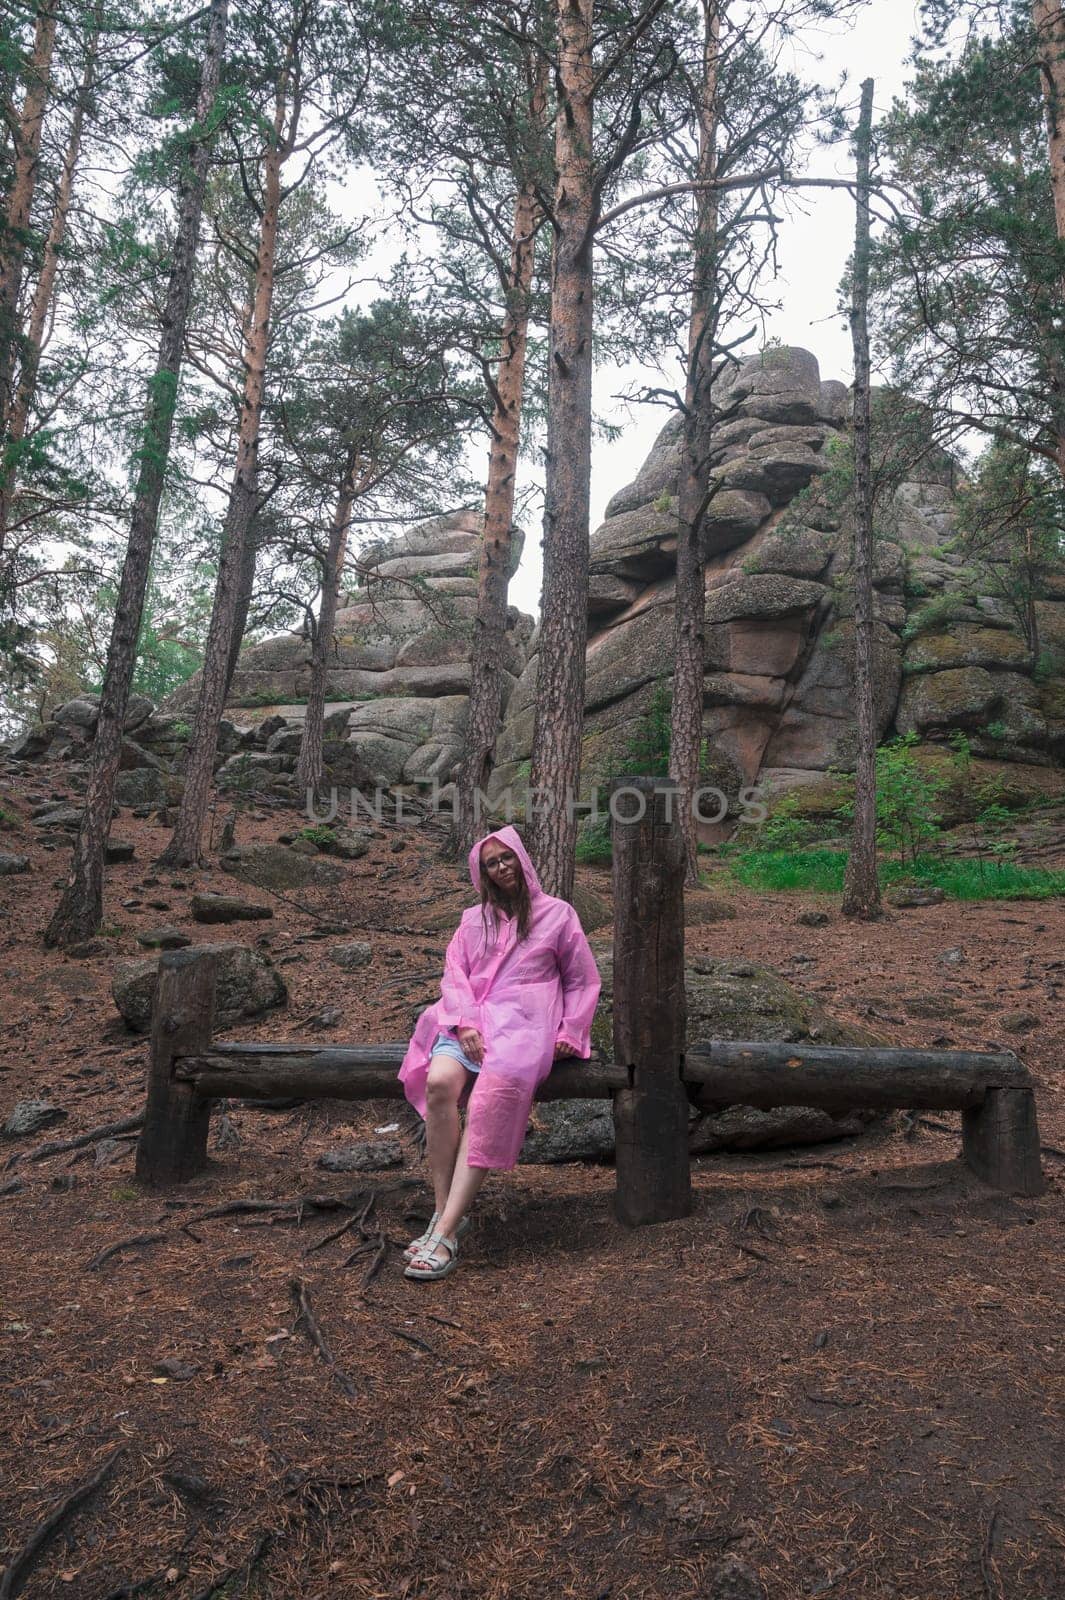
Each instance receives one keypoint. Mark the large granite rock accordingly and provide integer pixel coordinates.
(399, 670)
(248, 985)
(725, 1000)
(778, 687)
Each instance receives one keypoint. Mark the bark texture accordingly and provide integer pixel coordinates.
(556, 752)
(489, 628)
(33, 339)
(1048, 20)
(81, 905)
(233, 579)
(309, 765)
(14, 232)
(861, 889)
(686, 721)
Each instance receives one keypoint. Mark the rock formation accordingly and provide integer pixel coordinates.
(779, 630)
(399, 675)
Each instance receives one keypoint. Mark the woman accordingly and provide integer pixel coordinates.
(519, 991)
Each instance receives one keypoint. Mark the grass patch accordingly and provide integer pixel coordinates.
(821, 872)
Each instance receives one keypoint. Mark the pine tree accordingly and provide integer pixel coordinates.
(79, 911)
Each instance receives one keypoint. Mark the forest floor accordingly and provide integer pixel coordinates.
(845, 1369)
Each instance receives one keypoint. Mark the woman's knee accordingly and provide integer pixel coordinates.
(445, 1083)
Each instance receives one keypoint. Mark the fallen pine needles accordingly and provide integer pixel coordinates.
(140, 1241)
(23, 1560)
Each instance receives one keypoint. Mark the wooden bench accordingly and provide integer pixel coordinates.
(652, 1082)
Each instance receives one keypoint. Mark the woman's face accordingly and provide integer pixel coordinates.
(502, 866)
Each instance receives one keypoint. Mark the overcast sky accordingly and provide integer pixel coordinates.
(813, 253)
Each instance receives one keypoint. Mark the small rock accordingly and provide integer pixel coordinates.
(831, 1199)
(733, 1579)
(327, 1018)
(106, 1151)
(86, 948)
(304, 847)
(10, 864)
(167, 938)
(118, 850)
(30, 1116)
(812, 919)
(951, 958)
(1018, 1021)
(171, 1367)
(367, 1156)
(227, 908)
(64, 1182)
(907, 896)
(11, 1186)
(356, 953)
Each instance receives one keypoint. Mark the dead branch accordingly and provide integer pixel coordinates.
(412, 1338)
(23, 1560)
(988, 1569)
(305, 1317)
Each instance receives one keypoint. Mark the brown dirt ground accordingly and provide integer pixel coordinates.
(846, 1365)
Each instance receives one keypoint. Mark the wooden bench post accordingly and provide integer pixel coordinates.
(653, 1170)
(173, 1144)
(1000, 1141)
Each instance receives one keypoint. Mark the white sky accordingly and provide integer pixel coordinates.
(813, 254)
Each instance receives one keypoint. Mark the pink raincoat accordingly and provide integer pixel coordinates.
(522, 997)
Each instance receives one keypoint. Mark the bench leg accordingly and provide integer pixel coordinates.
(1000, 1141)
(173, 1143)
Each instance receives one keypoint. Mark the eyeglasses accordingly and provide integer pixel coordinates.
(493, 863)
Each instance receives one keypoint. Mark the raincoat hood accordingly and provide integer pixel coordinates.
(509, 838)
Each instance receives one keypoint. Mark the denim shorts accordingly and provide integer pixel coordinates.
(447, 1046)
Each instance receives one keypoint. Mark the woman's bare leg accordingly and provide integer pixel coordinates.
(446, 1081)
(465, 1183)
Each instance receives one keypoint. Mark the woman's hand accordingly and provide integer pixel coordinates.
(471, 1043)
(563, 1048)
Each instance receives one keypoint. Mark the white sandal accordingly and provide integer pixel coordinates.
(418, 1244)
(424, 1266)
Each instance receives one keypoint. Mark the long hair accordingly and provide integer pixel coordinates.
(492, 897)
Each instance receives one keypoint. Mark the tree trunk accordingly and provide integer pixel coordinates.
(686, 718)
(489, 627)
(556, 752)
(861, 890)
(184, 847)
(309, 765)
(18, 420)
(81, 906)
(14, 230)
(245, 590)
(1048, 20)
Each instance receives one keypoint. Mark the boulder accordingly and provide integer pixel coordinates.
(30, 1116)
(594, 912)
(725, 1000)
(147, 786)
(34, 742)
(966, 645)
(371, 1155)
(276, 866)
(165, 938)
(762, 596)
(958, 697)
(351, 955)
(248, 985)
(732, 516)
(10, 865)
(641, 543)
(780, 384)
